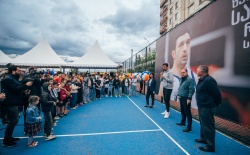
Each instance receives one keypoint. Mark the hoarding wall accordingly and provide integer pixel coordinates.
(217, 36)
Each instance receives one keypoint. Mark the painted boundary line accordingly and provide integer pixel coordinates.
(101, 133)
(160, 128)
(219, 132)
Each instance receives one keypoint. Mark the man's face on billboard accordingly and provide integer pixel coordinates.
(182, 49)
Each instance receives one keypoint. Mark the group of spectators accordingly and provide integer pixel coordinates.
(34, 91)
(25, 92)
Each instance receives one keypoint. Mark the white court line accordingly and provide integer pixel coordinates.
(102, 133)
(160, 128)
(237, 141)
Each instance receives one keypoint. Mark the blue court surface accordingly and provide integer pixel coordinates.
(117, 126)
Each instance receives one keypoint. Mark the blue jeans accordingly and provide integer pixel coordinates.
(73, 100)
(126, 90)
(91, 93)
(13, 117)
(117, 91)
(134, 90)
(110, 90)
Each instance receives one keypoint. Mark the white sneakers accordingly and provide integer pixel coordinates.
(167, 114)
(50, 137)
(163, 113)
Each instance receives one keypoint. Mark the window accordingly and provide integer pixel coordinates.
(176, 5)
(170, 21)
(190, 9)
(176, 16)
(171, 11)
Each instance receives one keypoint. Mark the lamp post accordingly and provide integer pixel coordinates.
(148, 45)
(131, 62)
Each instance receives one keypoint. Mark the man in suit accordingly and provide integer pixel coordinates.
(208, 97)
(151, 90)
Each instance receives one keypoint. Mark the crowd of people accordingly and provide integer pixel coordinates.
(25, 92)
(53, 95)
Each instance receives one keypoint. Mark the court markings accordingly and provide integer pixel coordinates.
(160, 128)
(101, 133)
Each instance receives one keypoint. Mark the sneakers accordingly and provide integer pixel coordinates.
(163, 113)
(167, 114)
(32, 144)
(50, 137)
(73, 108)
(9, 143)
(57, 118)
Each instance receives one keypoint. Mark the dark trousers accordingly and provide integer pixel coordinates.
(13, 117)
(186, 112)
(4, 115)
(48, 123)
(98, 93)
(207, 130)
(123, 89)
(166, 95)
(150, 93)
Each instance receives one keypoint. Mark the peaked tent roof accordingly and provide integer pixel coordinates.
(4, 59)
(94, 58)
(40, 55)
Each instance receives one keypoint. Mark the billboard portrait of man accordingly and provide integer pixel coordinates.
(180, 55)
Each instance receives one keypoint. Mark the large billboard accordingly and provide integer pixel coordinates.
(217, 36)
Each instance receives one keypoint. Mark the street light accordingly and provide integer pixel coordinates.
(148, 45)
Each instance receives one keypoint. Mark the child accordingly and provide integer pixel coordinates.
(47, 105)
(33, 120)
(63, 100)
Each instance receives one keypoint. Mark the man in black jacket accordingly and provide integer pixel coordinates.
(151, 90)
(14, 91)
(208, 97)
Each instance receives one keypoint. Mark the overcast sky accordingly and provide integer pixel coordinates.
(72, 26)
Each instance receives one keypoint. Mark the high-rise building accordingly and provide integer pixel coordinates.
(174, 12)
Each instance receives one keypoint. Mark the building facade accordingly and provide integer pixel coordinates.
(173, 12)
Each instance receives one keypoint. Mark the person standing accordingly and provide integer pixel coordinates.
(151, 90)
(208, 96)
(14, 91)
(98, 88)
(185, 92)
(167, 79)
(47, 104)
(33, 120)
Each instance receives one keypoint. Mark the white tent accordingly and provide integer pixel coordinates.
(4, 59)
(40, 55)
(94, 58)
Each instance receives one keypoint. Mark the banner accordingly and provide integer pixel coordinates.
(218, 36)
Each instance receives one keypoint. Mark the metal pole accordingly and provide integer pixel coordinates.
(146, 59)
(131, 62)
